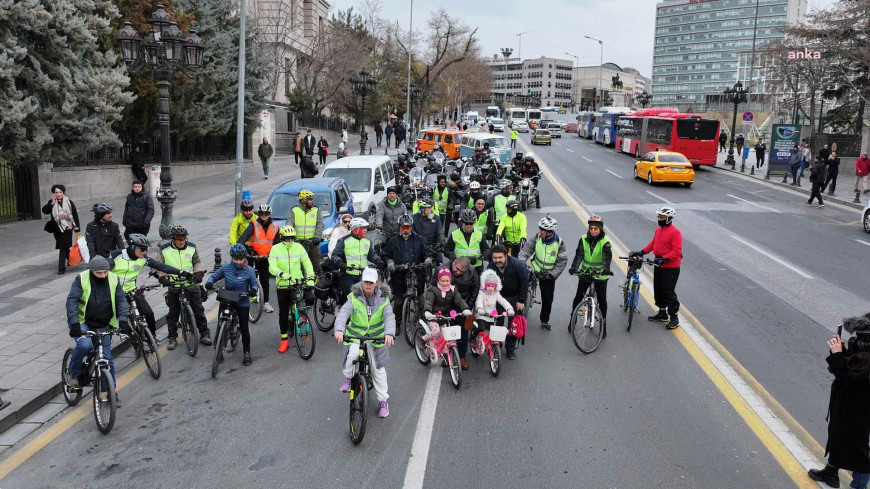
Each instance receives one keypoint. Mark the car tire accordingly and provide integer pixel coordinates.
(649, 178)
(635, 172)
(867, 222)
(688, 184)
(373, 214)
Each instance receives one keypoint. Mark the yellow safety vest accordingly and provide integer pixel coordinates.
(304, 222)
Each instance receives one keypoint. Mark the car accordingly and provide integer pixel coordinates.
(521, 126)
(331, 195)
(665, 166)
(447, 138)
(542, 136)
(554, 127)
(866, 219)
(367, 177)
(472, 129)
(497, 124)
(571, 127)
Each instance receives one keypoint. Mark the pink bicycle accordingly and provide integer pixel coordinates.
(444, 346)
(490, 341)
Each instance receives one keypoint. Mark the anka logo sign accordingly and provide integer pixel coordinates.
(805, 54)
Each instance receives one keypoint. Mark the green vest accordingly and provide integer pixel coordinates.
(180, 259)
(514, 227)
(480, 224)
(86, 294)
(435, 208)
(500, 205)
(593, 261)
(127, 271)
(289, 258)
(304, 222)
(545, 255)
(356, 252)
(441, 200)
(471, 249)
(361, 324)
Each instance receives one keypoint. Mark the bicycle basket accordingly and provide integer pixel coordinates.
(452, 333)
(229, 296)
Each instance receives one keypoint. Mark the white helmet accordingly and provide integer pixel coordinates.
(358, 222)
(529, 156)
(547, 223)
(668, 213)
(474, 186)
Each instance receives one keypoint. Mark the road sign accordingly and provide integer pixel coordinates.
(747, 116)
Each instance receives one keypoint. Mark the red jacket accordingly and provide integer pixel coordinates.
(862, 166)
(667, 243)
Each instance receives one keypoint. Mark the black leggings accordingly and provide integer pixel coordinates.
(262, 267)
(664, 285)
(548, 290)
(600, 291)
(285, 300)
(816, 193)
(242, 315)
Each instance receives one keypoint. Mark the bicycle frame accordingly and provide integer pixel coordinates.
(439, 345)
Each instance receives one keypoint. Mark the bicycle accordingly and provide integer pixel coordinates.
(96, 372)
(256, 302)
(532, 296)
(227, 326)
(631, 286)
(445, 345)
(409, 300)
(327, 302)
(305, 340)
(186, 319)
(490, 342)
(141, 339)
(360, 385)
(587, 338)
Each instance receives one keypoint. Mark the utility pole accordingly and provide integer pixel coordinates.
(408, 86)
(600, 73)
(751, 82)
(240, 115)
(520, 51)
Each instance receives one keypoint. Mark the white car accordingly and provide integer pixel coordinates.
(497, 124)
(866, 218)
(521, 126)
(367, 177)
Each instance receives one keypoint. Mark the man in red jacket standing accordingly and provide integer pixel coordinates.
(862, 169)
(667, 246)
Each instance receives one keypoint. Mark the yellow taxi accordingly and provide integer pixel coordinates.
(542, 136)
(665, 166)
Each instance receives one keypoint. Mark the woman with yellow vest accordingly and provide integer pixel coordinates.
(513, 227)
(547, 255)
(242, 220)
(467, 242)
(499, 203)
(593, 256)
(368, 313)
(308, 222)
(289, 263)
(355, 251)
(260, 236)
(485, 218)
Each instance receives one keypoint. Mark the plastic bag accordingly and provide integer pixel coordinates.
(83, 248)
(75, 255)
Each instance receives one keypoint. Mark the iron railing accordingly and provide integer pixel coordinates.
(205, 148)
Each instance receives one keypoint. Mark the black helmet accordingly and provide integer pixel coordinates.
(178, 230)
(468, 216)
(401, 157)
(430, 158)
(405, 220)
(247, 205)
(102, 208)
(139, 241)
(513, 204)
(455, 177)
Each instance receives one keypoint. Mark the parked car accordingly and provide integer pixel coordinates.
(541, 136)
(521, 126)
(665, 166)
(331, 195)
(367, 177)
(867, 217)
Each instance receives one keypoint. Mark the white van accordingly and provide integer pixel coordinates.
(367, 177)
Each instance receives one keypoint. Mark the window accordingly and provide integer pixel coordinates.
(429, 137)
(282, 203)
(357, 179)
(672, 159)
(659, 131)
(379, 178)
(341, 196)
(448, 139)
(703, 130)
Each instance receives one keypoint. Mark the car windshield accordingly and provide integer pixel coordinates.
(496, 143)
(542, 133)
(282, 203)
(498, 121)
(672, 159)
(357, 179)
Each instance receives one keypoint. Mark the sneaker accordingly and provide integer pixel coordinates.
(268, 307)
(384, 411)
(661, 316)
(266, 177)
(205, 338)
(173, 343)
(285, 344)
(72, 380)
(808, 204)
(117, 401)
(512, 355)
(828, 475)
(674, 323)
(820, 206)
(246, 360)
(546, 326)
(345, 386)
(464, 363)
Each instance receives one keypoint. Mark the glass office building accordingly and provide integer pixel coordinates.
(700, 44)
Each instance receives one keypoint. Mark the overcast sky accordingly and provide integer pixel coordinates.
(556, 26)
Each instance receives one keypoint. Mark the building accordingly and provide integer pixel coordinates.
(698, 44)
(589, 79)
(547, 79)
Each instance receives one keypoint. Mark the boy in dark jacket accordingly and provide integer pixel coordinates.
(138, 212)
(102, 235)
(818, 174)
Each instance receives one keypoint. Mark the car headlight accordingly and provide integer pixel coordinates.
(327, 233)
(357, 207)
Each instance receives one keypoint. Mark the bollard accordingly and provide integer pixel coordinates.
(370, 151)
(798, 184)
(767, 174)
(217, 258)
(785, 177)
(386, 151)
(857, 197)
(752, 169)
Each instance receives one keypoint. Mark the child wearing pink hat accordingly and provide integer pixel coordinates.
(442, 299)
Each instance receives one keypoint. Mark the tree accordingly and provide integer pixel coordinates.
(61, 85)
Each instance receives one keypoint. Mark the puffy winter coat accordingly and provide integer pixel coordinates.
(139, 210)
(487, 302)
(388, 216)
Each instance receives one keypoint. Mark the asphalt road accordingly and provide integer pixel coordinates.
(639, 412)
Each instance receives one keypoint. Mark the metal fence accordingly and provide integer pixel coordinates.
(335, 124)
(16, 193)
(205, 148)
(846, 145)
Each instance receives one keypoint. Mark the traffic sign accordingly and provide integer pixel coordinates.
(747, 116)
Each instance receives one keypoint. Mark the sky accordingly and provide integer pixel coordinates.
(554, 26)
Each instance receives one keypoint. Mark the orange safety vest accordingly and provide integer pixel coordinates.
(262, 240)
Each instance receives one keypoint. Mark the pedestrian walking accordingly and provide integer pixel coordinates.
(308, 168)
(491, 128)
(760, 149)
(309, 143)
(833, 171)
(806, 157)
(400, 134)
(818, 174)
(862, 168)
(322, 149)
(138, 212)
(137, 166)
(464, 126)
(265, 152)
(740, 142)
(63, 224)
(344, 136)
(379, 134)
(794, 163)
(297, 148)
(722, 140)
(514, 136)
(389, 132)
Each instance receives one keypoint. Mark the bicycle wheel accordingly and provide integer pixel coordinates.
(586, 330)
(495, 359)
(305, 340)
(633, 298)
(409, 320)
(626, 293)
(219, 343)
(530, 299)
(420, 347)
(324, 314)
(235, 333)
(256, 303)
(150, 354)
(104, 401)
(189, 331)
(359, 397)
(455, 367)
(71, 394)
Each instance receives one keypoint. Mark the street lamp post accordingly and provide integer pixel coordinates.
(363, 84)
(600, 67)
(164, 51)
(737, 96)
(506, 52)
(412, 95)
(574, 83)
(643, 98)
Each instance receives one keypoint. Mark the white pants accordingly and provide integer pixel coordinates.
(379, 375)
(862, 179)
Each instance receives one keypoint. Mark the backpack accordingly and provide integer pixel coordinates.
(518, 327)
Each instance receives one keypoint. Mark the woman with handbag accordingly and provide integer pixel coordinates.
(322, 149)
(64, 223)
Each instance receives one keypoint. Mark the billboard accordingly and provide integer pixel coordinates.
(783, 138)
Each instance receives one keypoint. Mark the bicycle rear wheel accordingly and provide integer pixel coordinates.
(235, 333)
(530, 299)
(189, 331)
(71, 394)
(633, 298)
(324, 314)
(104, 401)
(495, 359)
(409, 320)
(219, 344)
(359, 396)
(256, 303)
(455, 367)
(420, 347)
(626, 293)
(150, 354)
(586, 328)
(305, 340)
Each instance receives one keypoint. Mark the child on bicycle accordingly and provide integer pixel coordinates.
(488, 300)
(442, 299)
(238, 276)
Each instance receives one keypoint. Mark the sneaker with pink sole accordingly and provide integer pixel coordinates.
(345, 386)
(384, 411)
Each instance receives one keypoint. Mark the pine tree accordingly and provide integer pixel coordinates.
(62, 86)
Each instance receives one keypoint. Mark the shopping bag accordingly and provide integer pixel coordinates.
(326, 150)
(75, 256)
(82, 245)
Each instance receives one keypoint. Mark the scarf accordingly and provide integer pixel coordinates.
(445, 290)
(62, 215)
(553, 238)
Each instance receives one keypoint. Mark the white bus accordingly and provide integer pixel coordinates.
(472, 115)
(493, 112)
(534, 115)
(514, 115)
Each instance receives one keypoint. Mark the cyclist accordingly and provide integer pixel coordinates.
(102, 235)
(466, 241)
(667, 246)
(442, 197)
(367, 313)
(427, 226)
(239, 277)
(485, 222)
(474, 193)
(406, 248)
(260, 236)
(547, 255)
(442, 299)
(593, 256)
(389, 211)
(288, 261)
(425, 193)
(500, 201)
(182, 254)
(242, 220)
(128, 263)
(513, 227)
(354, 250)
(95, 302)
(308, 222)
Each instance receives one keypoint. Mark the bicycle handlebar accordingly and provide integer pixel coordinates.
(373, 339)
(89, 333)
(638, 259)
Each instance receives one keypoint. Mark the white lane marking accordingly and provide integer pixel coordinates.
(862, 242)
(613, 173)
(771, 209)
(416, 472)
(773, 257)
(558, 144)
(587, 159)
(569, 149)
(666, 201)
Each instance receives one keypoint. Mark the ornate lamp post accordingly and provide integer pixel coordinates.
(363, 84)
(737, 96)
(164, 51)
(644, 99)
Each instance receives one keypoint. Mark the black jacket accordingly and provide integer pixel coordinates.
(606, 252)
(405, 251)
(309, 143)
(430, 230)
(139, 210)
(103, 237)
(452, 301)
(760, 148)
(819, 172)
(514, 280)
(308, 168)
(50, 225)
(136, 161)
(833, 164)
(467, 284)
(824, 154)
(722, 138)
(98, 312)
(849, 422)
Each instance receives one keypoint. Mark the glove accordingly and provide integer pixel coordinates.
(572, 271)
(252, 293)
(124, 326)
(545, 276)
(342, 266)
(429, 316)
(660, 261)
(428, 261)
(209, 286)
(466, 312)
(636, 254)
(75, 330)
(284, 276)
(186, 275)
(391, 266)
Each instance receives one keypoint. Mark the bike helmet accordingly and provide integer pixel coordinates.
(303, 195)
(139, 241)
(426, 191)
(547, 223)
(474, 186)
(595, 221)
(178, 230)
(425, 203)
(267, 209)
(513, 204)
(246, 205)
(358, 222)
(238, 251)
(102, 208)
(505, 183)
(402, 158)
(468, 216)
(668, 214)
(464, 159)
(405, 220)
(430, 158)
(455, 177)
(287, 231)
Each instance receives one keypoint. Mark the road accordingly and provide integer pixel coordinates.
(639, 412)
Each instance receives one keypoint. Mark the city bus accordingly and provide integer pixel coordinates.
(666, 129)
(585, 121)
(515, 115)
(533, 115)
(604, 129)
(493, 112)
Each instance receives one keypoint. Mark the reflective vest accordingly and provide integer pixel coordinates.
(180, 259)
(500, 205)
(356, 252)
(361, 324)
(472, 198)
(546, 255)
(470, 249)
(593, 261)
(86, 294)
(441, 200)
(514, 227)
(262, 239)
(435, 208)
(128, 270)
(289, 258)
(237, 228)
(480, 225)
(304, 222)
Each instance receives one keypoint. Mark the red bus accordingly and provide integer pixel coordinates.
(646, 130)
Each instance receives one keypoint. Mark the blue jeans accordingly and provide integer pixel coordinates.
(85, 345)
(803, 165)
(265, 162)
(859, 480)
